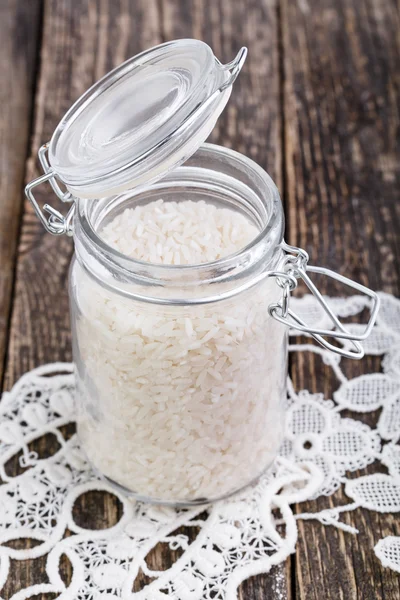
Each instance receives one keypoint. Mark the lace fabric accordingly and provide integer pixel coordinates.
(239, 537)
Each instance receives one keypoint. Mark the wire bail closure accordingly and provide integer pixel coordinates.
(56, 223)
(296, 267)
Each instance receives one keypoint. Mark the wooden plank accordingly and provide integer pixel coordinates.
(19, 33)
(81, 41)
(251, 124)
(253, 107)
(341, 62)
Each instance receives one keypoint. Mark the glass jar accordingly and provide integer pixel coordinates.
(180, 370)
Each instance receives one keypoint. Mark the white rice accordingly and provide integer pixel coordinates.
(179, 233)
(179, 403)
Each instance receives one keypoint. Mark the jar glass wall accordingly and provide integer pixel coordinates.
(181, 370)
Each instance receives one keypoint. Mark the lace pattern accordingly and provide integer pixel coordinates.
(239, 537)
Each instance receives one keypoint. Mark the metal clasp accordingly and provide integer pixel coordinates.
(56, 223)
(296, 265)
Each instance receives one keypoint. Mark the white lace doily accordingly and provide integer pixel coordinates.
(240, 537)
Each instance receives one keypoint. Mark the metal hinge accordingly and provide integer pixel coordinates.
(56, 223)
(296, 266)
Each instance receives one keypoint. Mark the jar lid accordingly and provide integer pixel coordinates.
(142, 119)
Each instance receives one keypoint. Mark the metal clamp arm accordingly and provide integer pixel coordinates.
(297, 266)
(56, 223)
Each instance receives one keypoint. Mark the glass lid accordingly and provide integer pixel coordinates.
(142, 119)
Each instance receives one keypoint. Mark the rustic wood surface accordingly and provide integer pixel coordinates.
(19, 30)
(341, 65)
(316, 105)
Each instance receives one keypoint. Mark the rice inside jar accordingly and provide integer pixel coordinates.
(181, 369)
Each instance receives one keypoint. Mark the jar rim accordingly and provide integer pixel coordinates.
(258, 254)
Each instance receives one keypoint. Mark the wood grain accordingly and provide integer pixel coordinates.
(19, 34)
(80, 42)
(341, 63)
(251, 124)
(323, 76)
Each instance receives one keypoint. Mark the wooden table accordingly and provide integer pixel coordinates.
(317, 105)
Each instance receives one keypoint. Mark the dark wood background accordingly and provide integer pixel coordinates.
(316, 105)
